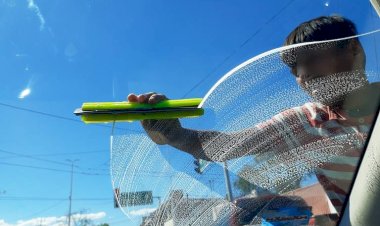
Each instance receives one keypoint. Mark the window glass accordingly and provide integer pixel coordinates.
(284, 127)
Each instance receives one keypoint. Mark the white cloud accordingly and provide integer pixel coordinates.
(91, 216)
(3, 223)
(54, 221)
(32, 6)
(142, 212)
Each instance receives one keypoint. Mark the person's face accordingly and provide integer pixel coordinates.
(322, 63)
(327, 75)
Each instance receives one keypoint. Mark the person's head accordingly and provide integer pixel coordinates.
(341, 62)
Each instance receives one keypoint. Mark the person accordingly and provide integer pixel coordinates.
(339, 117)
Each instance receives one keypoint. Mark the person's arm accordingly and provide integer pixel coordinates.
(274, 134)
(195, 142)
(277, 133)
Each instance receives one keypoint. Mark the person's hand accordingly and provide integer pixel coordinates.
(160, 131)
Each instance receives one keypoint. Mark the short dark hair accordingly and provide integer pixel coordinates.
(319, 29)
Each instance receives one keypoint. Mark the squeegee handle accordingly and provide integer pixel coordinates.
(93, 106)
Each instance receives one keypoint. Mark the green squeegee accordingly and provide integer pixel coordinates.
(105, 112)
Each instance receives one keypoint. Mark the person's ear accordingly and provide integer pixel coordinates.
(358, 53)
(355, 47)
(293, 70)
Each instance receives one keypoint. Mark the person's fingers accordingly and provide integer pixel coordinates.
(155, 98)
(132, 97)
(148, 95)
(143, 98)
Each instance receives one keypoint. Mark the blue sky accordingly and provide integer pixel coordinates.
(67, 52)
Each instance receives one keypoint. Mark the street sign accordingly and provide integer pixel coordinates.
(200, 165)
(122, 199)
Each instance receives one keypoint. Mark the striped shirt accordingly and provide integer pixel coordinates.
(336, 174)
(311, 136)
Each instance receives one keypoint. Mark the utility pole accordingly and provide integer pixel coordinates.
(211, 182)
(228, 183)
(71, 188)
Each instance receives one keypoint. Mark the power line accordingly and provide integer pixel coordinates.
(56, 154)
(60, 117)
(36, 198)
(62, 154)
(96, 168)
(39, 112)
(35, 158)
(70, 153)
(46, 209)
(52, 169)
(140, 173)
(241, 45)
(44, 160)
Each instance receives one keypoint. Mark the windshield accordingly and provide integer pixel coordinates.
(285, 122)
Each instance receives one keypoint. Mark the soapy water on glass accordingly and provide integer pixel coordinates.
(251, 93)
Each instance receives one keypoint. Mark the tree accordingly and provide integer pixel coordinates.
(85, 221)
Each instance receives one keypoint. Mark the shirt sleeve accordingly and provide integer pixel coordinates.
(284, 131)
